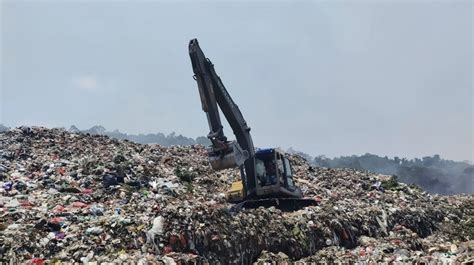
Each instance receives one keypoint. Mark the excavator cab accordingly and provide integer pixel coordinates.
(274, 176)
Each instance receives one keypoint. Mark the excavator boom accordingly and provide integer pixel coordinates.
(223, 153)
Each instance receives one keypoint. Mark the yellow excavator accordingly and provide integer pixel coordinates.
(266, 174)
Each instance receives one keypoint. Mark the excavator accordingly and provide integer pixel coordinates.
(266, 174)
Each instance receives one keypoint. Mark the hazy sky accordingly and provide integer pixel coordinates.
(322, 77)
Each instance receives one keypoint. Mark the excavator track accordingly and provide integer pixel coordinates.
(284, 204)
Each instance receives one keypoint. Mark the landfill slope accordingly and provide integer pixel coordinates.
(72, 197)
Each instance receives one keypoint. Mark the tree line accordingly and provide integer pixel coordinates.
(432, 173)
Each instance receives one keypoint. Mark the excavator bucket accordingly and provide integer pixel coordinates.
(232, 157)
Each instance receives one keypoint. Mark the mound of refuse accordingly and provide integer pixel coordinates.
(73, 197)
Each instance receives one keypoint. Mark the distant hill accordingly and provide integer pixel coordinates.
(3, 128)
(150, 138)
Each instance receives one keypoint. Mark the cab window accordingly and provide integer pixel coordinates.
(260, 172)
(288, 172)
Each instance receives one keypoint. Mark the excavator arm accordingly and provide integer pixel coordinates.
(223, 153)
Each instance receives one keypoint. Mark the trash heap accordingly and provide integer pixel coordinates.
(72, 197)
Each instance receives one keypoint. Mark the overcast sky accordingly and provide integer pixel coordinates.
(328, 78)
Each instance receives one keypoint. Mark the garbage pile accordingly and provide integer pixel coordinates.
(73, 197)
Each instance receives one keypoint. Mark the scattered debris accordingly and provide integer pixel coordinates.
(73, 197)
